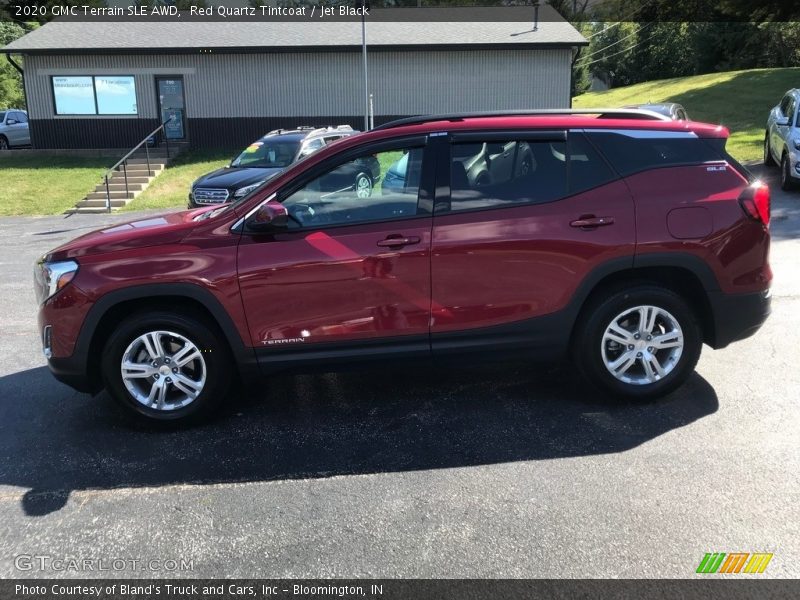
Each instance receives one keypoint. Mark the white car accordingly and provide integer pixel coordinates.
(14, 128)
(782, 139)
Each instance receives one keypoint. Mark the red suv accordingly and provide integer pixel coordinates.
(617, 237)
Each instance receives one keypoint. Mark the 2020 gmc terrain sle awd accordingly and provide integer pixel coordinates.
(619, 238)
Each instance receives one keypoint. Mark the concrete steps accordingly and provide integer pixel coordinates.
(138, 175)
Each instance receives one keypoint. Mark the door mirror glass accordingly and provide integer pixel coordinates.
(269, 215)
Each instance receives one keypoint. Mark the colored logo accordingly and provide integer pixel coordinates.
(735, 562)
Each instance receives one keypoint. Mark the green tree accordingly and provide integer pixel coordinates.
(11, 93)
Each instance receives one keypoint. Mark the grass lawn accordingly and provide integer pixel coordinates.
(33, 185)
(739, 100)
(171, 188)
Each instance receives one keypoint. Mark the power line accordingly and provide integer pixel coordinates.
(621, 21)
(612, 44)
(639, 43)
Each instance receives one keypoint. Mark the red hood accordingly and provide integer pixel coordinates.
(157, 230)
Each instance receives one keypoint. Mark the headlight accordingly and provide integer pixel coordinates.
(247, 189)
(51, 277)
(797, 144)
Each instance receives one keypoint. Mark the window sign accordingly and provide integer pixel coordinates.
(95, 95)
(74, 96)
(115, 95)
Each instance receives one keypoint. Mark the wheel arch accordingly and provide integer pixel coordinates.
(190, 298)
(683, 273)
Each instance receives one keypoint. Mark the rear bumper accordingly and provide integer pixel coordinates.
(738, 316)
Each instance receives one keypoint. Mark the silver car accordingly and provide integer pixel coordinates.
(782, 139)
(14, 128)
(673, 110)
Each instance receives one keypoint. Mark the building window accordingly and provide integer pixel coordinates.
(95, 95)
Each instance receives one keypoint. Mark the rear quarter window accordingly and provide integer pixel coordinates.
(636, 151)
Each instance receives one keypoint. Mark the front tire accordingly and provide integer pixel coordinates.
(4, 145)
(363, 185)
(787, 181)
(164, 367)
(639, 342)
(768, 160)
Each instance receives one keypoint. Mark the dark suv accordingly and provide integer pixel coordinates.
(265, 158)
(623, 240)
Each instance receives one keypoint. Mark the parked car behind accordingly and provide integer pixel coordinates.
(262, 160)
(629, 242)
(673, 110)
(14, 130)
(782, 139)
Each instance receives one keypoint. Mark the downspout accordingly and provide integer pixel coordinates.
(22, 74)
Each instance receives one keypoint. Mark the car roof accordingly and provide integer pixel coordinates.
(546, 121)
(304, 131)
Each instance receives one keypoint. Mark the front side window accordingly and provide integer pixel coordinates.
(94, 95)
(784, 106)
(21, 117)
(495, 174)
(372, 187)
(267, 154)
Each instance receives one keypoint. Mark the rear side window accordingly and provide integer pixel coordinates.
(587, 169)
(634, 151)
(495, 174)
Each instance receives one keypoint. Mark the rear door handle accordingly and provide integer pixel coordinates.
(590, 222)
(397, 241)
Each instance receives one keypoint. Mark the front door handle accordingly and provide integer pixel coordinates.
(397, 241)
(590, 222)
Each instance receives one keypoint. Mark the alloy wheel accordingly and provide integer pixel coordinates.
(363, 187)
(642, 345)
(163, 370)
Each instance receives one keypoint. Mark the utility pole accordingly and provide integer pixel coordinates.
(364, 56)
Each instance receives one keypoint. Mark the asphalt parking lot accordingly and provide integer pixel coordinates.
(501, 471)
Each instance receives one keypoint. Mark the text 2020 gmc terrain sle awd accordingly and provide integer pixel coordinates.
(619, 239)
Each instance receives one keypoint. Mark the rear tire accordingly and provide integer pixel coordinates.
(177, 369)
(768, 160)
(640, 341)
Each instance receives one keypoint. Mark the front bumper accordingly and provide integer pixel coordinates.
(62, 316)
(738, 316)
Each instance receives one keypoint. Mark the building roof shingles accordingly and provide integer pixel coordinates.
(266, 36)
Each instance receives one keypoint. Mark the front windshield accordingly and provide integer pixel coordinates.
(269, 155)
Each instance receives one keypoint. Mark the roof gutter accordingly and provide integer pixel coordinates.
(15, 65)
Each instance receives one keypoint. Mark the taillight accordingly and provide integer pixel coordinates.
(755, 201)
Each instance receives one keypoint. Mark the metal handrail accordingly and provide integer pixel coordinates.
(123, 161)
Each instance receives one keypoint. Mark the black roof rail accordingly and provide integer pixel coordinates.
(603, 113)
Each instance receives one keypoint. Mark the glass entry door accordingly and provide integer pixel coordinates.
(172, 106)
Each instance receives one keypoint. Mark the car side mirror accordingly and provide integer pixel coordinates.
(782, 121)
(11, 122)
(269, 215)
